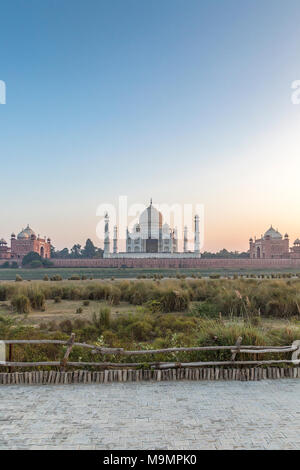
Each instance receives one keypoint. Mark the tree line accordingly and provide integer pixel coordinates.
(225, 254)
(77, 251)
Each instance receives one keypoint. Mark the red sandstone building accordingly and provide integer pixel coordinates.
(272, 245)
(4, 250)
(295, 251)
(24, 243)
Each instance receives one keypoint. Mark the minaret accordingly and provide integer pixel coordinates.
(197, 235)
(175, 240)
(171, 240)
(106, 235)
(185, 239)
(115, 248)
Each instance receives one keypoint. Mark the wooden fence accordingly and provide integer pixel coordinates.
(136, 371)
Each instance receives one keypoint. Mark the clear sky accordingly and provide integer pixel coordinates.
(186, 101)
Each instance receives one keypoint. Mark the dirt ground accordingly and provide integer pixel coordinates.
(66, 309)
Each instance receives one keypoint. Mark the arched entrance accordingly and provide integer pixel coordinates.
(258, 252)
(42, 252)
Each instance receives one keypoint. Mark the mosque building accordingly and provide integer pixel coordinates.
(151, 238)
(273, 245)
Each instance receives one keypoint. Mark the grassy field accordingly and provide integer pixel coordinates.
(130, 273)
(151, 313)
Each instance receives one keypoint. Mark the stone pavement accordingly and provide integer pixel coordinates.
(160, 415)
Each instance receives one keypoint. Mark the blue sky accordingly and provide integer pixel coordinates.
(184, 101)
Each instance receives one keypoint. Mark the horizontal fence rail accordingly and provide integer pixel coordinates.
(65, 362)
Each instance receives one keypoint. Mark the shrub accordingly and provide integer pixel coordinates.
(66, 326)
(204, 309)
(21, 304)
(102, 320)
(46, 278)
(174, 301)
(5, 265)
(255, 320)
(31, 258)
(52, 326)
(19, 278)
(34, 260)
(86, 303)
(79, 323)
(79, 310)
(37, 300)
(57, 299)
(3, 292)
(56, 277)
(141, 330)
(35, 264)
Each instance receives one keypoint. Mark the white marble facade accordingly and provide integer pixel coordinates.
(150, 238)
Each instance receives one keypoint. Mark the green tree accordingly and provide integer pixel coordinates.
(76, 251)
(34, 260)
(64, 253)
(89, 250)
(31, 257)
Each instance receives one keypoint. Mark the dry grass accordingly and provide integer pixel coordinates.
(66, 310)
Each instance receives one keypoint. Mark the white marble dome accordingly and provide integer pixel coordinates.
(150, 222)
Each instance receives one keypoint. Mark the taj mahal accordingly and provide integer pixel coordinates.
(151, 238)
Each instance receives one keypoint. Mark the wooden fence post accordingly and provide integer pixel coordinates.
(2, 353)
(296, 353)
(238, 343)
(10, 356)
(70, 344)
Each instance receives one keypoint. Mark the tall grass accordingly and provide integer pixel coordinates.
(246, 298)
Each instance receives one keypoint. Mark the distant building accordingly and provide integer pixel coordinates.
(295, 250)
(24, 243)
(151, 238)
(4, 250)
(271, 245)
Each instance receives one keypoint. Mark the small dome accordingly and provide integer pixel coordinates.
(13, 235)
(297, 241)
(29, 231)
(23, 235)
(272, 233)
(26, 233)
(2, 241)
(136, 232)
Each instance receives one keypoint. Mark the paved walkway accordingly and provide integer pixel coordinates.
(160, 415)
